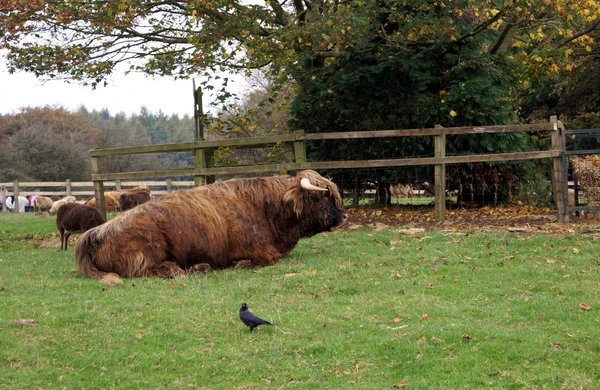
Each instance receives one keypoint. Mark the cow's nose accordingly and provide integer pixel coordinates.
(345, 217)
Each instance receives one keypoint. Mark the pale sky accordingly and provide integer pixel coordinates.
(124, 93)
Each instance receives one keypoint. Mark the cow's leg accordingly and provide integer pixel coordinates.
(244, 264)
(267, 256)
(200, 268)
(166, 270)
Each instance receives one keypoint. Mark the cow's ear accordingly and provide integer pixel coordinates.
(293, 197)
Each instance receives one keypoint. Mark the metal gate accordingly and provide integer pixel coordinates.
(574, 136)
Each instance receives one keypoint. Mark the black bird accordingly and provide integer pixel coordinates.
(249, 319)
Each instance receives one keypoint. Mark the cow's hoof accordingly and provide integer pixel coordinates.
(201, 267)
(243, 264)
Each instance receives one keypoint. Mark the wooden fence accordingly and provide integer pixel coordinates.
(203, 173)
(83, 190)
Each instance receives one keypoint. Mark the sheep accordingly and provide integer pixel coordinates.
(42, 203)
(56, 205)
(130, 200)
(402, 191)
(111, 199)
(76, 218)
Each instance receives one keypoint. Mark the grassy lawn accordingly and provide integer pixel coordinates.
(363, 309)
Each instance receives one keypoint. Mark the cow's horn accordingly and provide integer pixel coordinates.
(307, 185)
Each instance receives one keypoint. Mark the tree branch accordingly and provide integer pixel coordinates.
(588, 30)
(505, 35)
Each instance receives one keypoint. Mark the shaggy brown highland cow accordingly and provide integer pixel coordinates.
(127, 201)
(111, 199)
(256, 220)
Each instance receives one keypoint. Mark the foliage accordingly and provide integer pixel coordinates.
(45, 144)
(85, 41)
(456, 84)
(377, 309)
(51, 144)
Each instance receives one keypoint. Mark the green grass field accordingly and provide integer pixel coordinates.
(434, 310)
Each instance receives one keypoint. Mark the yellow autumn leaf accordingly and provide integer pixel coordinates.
(313, 271)
(575, 250)
(453, 113)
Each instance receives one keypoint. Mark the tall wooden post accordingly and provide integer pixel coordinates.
(16, 196)
(299, 150)
(68, 187)
(559, 168)
(201, 156)
(118, 184)
(4, 195)
(440, 176)
(169, 186)
(99, 187)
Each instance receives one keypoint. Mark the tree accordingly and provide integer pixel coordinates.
(45, 144)
(85, 40)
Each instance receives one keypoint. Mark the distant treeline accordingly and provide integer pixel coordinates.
(51, 144)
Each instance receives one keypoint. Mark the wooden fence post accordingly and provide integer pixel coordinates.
(118, 184)
(440, 176)
(16, 196)
(99, 187)
(560, 182)
(68, 186)
(299, 150)
(169, 186)
(4, 195)
(201, 157)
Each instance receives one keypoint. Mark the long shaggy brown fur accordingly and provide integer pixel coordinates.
(257, 219)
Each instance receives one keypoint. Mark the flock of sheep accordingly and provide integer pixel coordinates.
(73, 217)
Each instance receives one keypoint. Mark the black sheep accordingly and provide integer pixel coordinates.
(76, 218)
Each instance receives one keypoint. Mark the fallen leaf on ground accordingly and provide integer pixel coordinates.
(584, 306)
(24, 322)
(411, 231)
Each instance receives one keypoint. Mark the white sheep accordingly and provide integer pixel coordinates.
(42, 203)
(56, 205)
